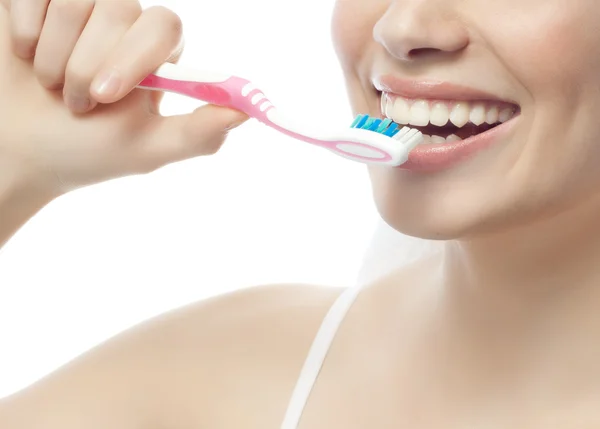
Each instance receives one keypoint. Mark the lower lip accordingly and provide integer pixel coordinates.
(435, 157)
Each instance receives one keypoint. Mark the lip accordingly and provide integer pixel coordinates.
(437, 157)
(431, 90)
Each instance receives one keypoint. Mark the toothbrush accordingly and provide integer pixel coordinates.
(368, 140)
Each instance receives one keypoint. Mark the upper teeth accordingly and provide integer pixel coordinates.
(424, 112)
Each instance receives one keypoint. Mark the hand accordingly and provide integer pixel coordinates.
(70, 114)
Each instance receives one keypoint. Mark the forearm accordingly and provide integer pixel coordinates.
(20, 200)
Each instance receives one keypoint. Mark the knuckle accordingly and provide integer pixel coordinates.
(174, 23)
(25, 35)
(121, 11)
(25, 39)
(171, 22)
(69, 9)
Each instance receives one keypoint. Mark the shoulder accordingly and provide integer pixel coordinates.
(263, 310)
(240, 351)
(274, 322)
(192, 366)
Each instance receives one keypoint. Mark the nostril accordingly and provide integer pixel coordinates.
(422, 52)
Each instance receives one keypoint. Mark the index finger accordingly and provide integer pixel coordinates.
(153, 39)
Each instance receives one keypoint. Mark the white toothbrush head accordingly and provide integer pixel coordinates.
(367, 140)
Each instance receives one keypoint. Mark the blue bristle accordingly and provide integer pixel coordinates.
(387, 127)
(384, 125)
(393, 129)
(368, 124)
(375, 125)
(362, 121)
(356, 121)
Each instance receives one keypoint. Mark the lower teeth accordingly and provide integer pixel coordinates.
(427, 139)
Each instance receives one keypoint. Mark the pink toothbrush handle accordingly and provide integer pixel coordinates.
(222, 90)
(240, 94)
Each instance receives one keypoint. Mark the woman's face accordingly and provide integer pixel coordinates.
(532, 66)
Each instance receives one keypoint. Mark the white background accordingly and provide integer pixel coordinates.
(266, 209)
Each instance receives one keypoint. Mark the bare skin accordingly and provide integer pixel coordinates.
(84, 135)
(398, 360)
(498, 330)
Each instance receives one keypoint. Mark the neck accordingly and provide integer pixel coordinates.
(528, 298)
(529, 275)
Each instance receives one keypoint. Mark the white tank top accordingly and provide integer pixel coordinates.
(388, 251)
(316, 356)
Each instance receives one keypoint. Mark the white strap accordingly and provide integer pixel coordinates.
(316, 356)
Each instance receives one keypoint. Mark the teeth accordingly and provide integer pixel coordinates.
(492, 115)
(506, 114)
(439, 114)
(400, 111)
(427, 139)
(419, 113)
(460, 114)
(389, 108)
(477, 115)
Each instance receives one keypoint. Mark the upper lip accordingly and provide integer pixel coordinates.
(431, 90)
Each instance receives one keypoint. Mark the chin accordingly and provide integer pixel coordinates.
(429, 208)
(417, 223)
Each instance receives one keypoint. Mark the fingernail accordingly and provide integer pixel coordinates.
(78, 104)
(107, 83)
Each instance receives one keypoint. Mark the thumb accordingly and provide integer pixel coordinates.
(175, 138)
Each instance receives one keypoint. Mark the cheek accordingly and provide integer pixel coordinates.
(352, 28)
(555, 54)
(352, 32)
(551, 47)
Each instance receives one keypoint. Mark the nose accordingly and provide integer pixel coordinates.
(410, 29)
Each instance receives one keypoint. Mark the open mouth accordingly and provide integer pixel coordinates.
(447, 121)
